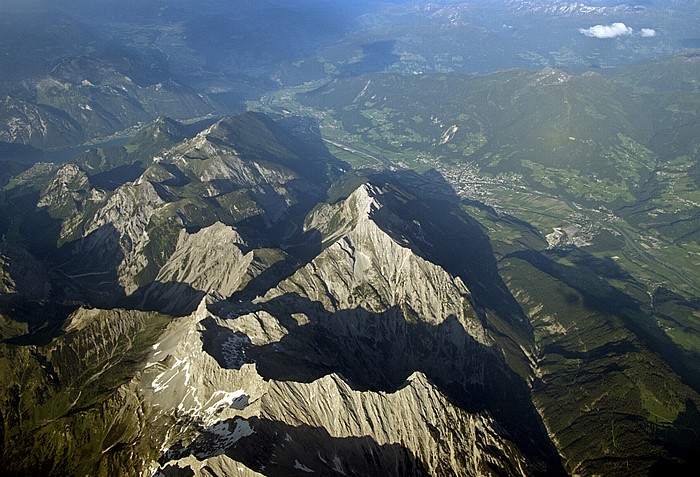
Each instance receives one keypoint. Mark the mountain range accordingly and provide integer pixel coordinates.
(349, 238)
(229, 304)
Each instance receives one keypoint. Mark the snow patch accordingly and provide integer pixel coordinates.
(302, 467)
(237, 400)
(159, 384)
(225, 437)
(362, 93)
(449, 134)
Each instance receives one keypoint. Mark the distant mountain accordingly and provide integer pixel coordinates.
(557, 8)
(85, 98)
(243, 169)
(78, 73)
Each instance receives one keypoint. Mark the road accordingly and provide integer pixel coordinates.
(350, 149)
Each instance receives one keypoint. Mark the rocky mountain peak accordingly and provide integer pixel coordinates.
(550, 76)
(366, 266)
(365, 200)
(67, 180)
(118, 229)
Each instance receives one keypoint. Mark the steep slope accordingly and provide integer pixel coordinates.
(278, 427)
(215, 260)
(602, 364)
(370, 309)
(368, 360)
(120, 226)
(598, 352)
(366, 268)
(77, 386)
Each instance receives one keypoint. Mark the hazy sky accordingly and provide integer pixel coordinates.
(345, 6)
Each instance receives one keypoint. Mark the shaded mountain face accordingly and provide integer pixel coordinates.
(229, 298)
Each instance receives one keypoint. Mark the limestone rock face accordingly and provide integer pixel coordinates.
(197, 371)
(119, 228)
(441, 436)
(208, 261)
(357, 364)
(201, 372)
(66, 197)
(62, 188)
(261, 180)
(366, 268)
(222, 161)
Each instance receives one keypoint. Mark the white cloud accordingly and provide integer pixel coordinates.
(647, 32)
(606, 31)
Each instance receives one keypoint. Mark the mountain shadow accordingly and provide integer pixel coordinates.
(86, 269)
(173, 298)
(378, 351)
(684, 443)
(375, 57)
(118, 176)
(44, 319)
(587, 278)
(440, 231)
(228, 348)
(281, 450)
(38, 230)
